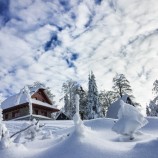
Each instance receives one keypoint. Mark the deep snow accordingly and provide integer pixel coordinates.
(99, 141)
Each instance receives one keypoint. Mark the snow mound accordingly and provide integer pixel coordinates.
(80, 146)
(98, 141)
(14, 151)
(130, 120)
(147, 149)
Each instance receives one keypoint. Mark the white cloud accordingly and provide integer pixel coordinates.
(120, 36)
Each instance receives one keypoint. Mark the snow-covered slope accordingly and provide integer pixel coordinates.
(98, 142)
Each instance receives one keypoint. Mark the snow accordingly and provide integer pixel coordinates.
(130, 120)
(80, 129)
(59, 139)
(12, 101)
(114, 107)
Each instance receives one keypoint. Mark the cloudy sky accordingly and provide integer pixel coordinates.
(52, 41)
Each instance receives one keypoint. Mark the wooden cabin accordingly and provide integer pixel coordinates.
(42, 106)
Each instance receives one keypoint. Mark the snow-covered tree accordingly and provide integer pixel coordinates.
(33, 130)
(130, 120)
(121, 85)
(155, 92)
(83, 103)
(69, 90)
(106, 98)
(147, 110)
(66, 104)
(152, 109)
(93, 105)
(155, 87)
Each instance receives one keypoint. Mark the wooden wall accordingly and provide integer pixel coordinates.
(40, 95)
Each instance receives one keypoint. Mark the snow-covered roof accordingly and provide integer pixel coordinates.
(114, 107)
(12, 101)
(21, 98)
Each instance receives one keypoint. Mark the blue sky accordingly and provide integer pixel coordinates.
(52, 41)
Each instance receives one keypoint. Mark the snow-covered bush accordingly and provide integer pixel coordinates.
(4, 133)
(47, 135)
(130, 120)
(32, 131)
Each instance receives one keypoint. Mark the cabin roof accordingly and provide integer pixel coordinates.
(12, 100)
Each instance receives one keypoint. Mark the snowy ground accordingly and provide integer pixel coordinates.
(98, 141)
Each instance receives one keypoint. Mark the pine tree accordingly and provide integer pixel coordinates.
(155, 91)
(83, 103)
(93, 104)
(155, 87)
(66, 104)
(147, 111)
(152, 109)
(121, 85)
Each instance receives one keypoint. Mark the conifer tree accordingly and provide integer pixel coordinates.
(155, 91)
(152, 109)
(93, 105)
(83, 103)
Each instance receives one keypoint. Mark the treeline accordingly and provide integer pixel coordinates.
(94, 103)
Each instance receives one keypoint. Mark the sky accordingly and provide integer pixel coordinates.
(51, 41)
